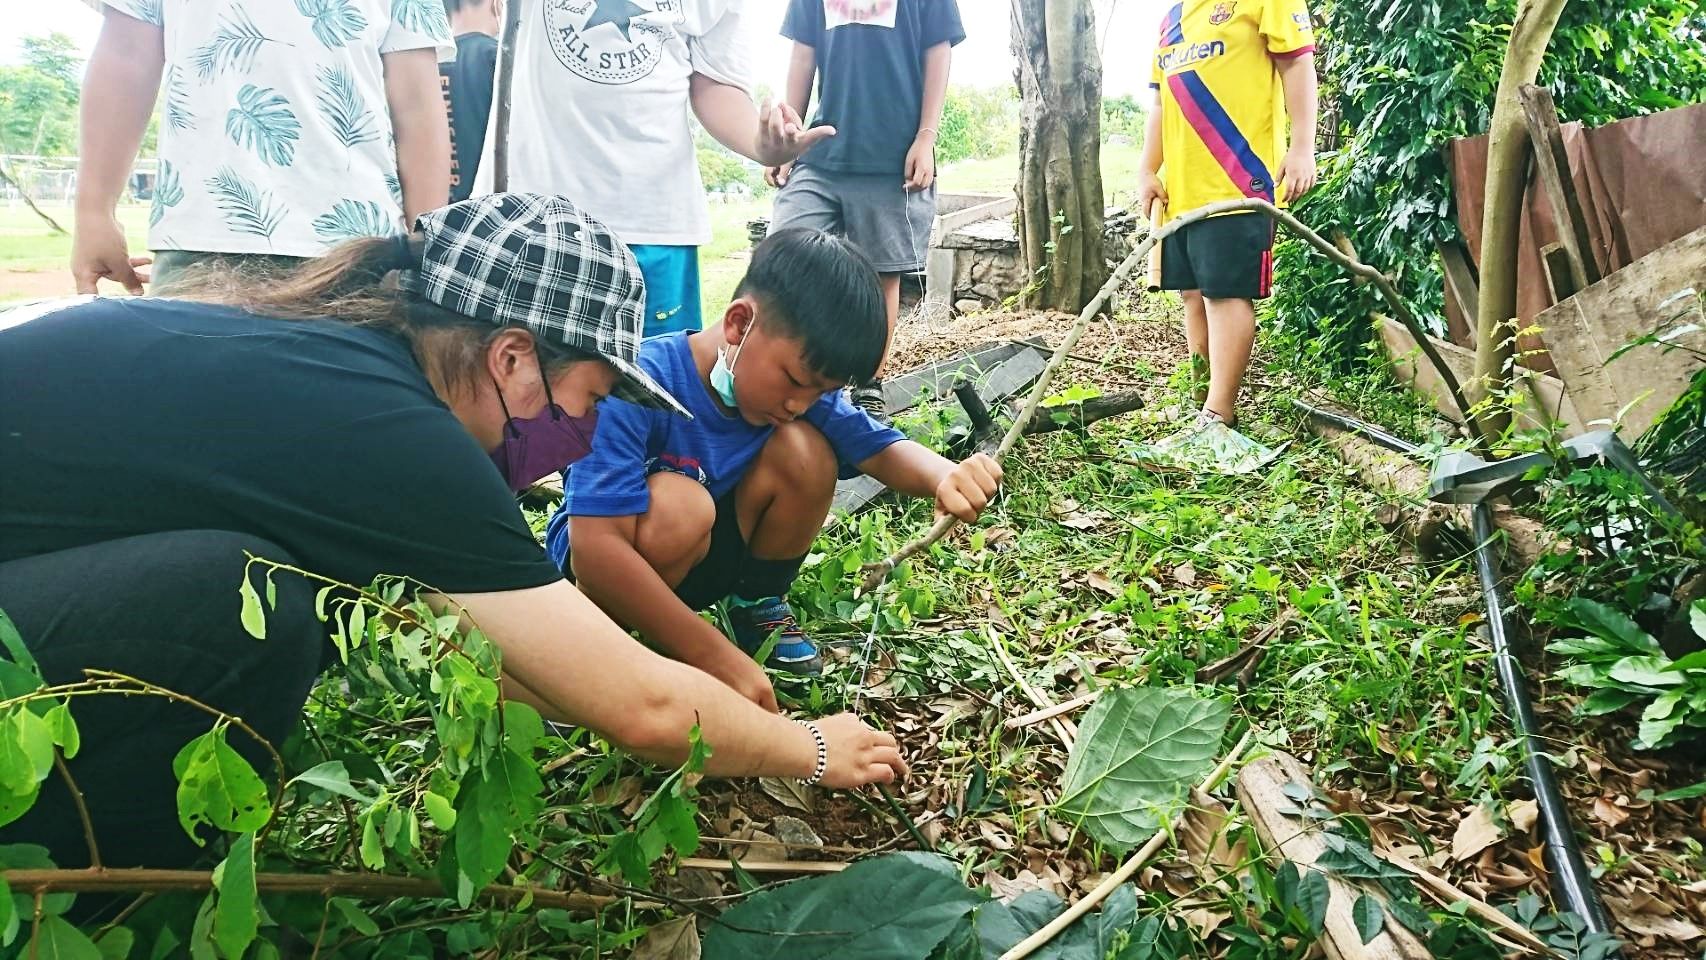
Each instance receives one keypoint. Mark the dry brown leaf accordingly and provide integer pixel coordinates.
(1204, 831)
(1185, 574)
(1673, 928)
(670, 940)
(994, 835)
(763, 849)
(1523, 814)
(1475, 832)
(617, 793)
(789, 793)
(1099, 581)
(1608, 812)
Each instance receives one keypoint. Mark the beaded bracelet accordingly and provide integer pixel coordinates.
(822, 754)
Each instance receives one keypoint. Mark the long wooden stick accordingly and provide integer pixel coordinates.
(1066, 730)
(1049, 713)
(1030, 944)
(371, 885)
(877, 572)
(506, 86)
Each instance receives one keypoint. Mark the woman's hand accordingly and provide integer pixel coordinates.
(969, 487)
(858, 754)
(743, 675)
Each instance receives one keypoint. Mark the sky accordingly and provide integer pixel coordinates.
(1127, 29)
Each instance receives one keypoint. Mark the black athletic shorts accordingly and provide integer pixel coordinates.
(714, 577)
(1226, 257)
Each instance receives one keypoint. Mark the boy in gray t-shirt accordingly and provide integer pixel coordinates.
(882, 75)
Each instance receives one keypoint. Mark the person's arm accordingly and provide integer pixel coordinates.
(1297, 77)
(802, 70)
(412, 92)
(771, 136)
(614, 575)
(118, 94)
(1149, 186)
(962, 489)
(584, 670)
(921, 157)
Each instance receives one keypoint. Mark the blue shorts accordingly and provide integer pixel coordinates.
(672, 287)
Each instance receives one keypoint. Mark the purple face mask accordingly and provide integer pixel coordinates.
(539, 447)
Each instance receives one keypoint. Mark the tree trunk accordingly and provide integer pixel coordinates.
(1060, 174)
(1508, 152)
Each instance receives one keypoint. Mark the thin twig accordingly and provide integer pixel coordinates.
(877, 572)
(1029, 945)
(1049, 713)
(766, 866)
(906, 819)
(1066, 730)
(82, 809)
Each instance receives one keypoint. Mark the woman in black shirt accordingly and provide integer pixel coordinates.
(346, 421)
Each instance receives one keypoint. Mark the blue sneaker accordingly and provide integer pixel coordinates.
(754, 624)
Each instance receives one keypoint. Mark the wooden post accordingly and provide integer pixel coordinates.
(506, 86)
(1459, 279)
(1553, 166)
(1261, 790)
(1155, 213)
(1560, 270)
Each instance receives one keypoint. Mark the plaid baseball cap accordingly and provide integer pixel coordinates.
(537, 261)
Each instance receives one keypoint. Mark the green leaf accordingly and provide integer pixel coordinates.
(1696, 618)
(491, 807)
(14, 644)
(8, 914)
(372, 847)
(1609, 700)
(216, 786)
(26, 750)
(356, 917)
(58, 940)
(1607, 624)
(901, 905)
(1368, 916)
(1683, 793)
(1660, 721)
(523, 727)
(1312, 896)
(1000, 926)
(439, 809)
(253, 617)
(331, 776)
(1139, 749)
(116, 943)
(63, 729)
(235, 918)
(1645, 671)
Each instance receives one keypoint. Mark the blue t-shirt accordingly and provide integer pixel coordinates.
(714, 448)
(870, 75)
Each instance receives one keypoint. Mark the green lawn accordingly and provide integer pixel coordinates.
(28, 244)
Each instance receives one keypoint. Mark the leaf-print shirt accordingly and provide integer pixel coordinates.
(274, 132)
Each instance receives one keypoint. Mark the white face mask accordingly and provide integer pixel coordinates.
(723, 371)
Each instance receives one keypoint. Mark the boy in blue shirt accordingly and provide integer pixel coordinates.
(668, 516)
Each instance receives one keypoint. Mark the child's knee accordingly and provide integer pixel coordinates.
(677, 528)
(799, 457)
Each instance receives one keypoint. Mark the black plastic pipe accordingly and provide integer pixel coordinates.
(1569, 871)
(1562, 855)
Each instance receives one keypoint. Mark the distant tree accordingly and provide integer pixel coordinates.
(38, 98)
(1123, 115)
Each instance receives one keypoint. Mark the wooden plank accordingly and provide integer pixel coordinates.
(1547, 392)
(1553, 166)
(1639, 300)
(1560, 274)
(1460, 282)
(1261, 791)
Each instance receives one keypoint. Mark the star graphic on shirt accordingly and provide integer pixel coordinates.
(616, 12)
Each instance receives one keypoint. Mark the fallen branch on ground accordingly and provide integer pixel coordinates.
(1030, 944)
(1083, 414)
(1049, 713)
(1066, 730)
(1248, 657)
(877, 572)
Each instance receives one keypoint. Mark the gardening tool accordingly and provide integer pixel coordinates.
(1462, 477)
(1156, 211)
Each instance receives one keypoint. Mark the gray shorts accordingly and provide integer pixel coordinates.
(889, 225)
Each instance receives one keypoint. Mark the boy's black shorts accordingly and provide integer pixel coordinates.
(1226, 257)
(714, 577)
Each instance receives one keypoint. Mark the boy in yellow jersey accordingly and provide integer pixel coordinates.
(1227, 74)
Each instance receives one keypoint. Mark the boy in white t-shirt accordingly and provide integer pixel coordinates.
(286, 128)
(599, 114)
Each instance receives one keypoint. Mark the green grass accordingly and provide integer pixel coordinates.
(28, 244)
